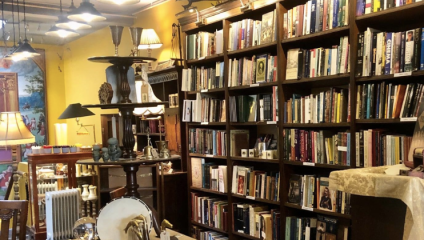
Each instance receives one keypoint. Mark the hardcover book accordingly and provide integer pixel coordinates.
(196, 172)
(294, 189)
(327, 198)
(267, 28)
(261, 68)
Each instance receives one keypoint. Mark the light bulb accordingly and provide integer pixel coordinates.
(88, 17)
(18, 57)
(191, 10)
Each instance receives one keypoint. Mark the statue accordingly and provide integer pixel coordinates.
(137, 227)
(114, 150)
(96, 153)
(105, 154)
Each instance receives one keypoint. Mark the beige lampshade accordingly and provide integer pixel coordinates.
(149, 39)
(13, 130)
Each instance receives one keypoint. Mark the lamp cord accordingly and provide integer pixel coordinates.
(25, 18)
(13, 20)
(19, 20)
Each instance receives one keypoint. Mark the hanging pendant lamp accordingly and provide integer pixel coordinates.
(10, 56)
(64, 22)
(120, 2)
(25, 49)
(86, 13)
(60, 32)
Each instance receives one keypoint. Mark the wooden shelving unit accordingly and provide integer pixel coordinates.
(394, 19)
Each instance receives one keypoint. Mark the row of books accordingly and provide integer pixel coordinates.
(388, 101)
(378, 148)
(152, 126)
(253, 108)
(310, 191)
(325, 107)
(255, 183)
(248, 32)
(315, 16)
(322, 227)
(203, 44)
(370, 6)
(200, 78)
(258, 69)
(209, 211)
(208, 175)
(200, 234)
(207, 141)
(310, 63)
(382, 53)
(317, 146)
(257, 221)
(204, 109)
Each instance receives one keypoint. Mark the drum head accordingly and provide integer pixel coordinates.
(114, 217)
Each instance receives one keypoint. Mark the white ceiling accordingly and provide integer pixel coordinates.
(41, 15)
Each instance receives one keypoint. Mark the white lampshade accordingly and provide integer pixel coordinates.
(149, 40)
(13, 130)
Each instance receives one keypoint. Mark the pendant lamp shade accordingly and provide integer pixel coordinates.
(86, 13)
(149, 40)
(13, 130)
(75, 110)
(60, 32)
(66, 23)
(26, 50)
(120, 2)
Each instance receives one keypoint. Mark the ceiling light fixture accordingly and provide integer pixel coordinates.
(64, 22)
(86, 13)
(60, 32)
(120, 2)
(25, 49)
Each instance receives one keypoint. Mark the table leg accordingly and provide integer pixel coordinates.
(124, 87)
(132, 186)
(128, 137)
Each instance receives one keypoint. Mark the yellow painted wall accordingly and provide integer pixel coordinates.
(54, 85)
(83, 78)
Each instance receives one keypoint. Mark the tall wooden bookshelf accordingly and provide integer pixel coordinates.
(395, 19)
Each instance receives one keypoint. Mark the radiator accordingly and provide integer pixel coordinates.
(42, 189)
(62, 211)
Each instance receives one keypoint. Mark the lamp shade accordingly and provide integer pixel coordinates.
(13, 130)
(149, 40)
(86, 13)
(75, 110)
(66, 23)
(26, 50)
(120, 2)
(60, 32)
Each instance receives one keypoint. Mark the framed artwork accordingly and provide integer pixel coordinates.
(23, 88)
(6, 171)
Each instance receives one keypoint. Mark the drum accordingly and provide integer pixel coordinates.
(114, 217)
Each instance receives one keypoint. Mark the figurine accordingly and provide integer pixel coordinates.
(105, 154)
(114, 150)
(96, 153)
(138, 227)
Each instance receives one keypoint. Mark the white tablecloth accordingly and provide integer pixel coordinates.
(374, 182)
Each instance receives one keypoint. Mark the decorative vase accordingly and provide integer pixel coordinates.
(93, 194)
(85, 192)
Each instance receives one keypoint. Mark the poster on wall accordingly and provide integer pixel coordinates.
(23, 88)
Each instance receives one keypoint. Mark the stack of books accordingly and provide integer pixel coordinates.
(312, 228)
(325, 107)
(315, 16)
(388, 101)
(254, 108)
(317, 146)
(208, 175)
(204, 109)
(258, 69)
(209, 211)
(311, 192)
(370, 6)
(203, 44)
(257, 221)
(152, 125)
(255, 183)
(207, 141)
(199, 234)
(248, 32)
(200, 78)
(375, 147)
(317, 62)
(382, 53)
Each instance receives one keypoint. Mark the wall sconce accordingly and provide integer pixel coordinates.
(76, 111)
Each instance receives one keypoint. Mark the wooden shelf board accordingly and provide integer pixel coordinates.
(382, 121)
(316, 125)
(207, 59)
(248, 159)
(251, 123)
(209, 124)
(252, 49)
(312, 37)
(261, 85)
(207, 156)
(150, 134)
(410, 10)
(245, 236)
(208, 227)
(339, 79)
(389, 77)
(214, 90)
(317, 165)
(256, 199)
(208, 191)
(295, 206)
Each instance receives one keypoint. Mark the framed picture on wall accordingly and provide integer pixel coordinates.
(23, 88)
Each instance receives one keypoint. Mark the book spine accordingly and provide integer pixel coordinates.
(417, 49)
(422, 50)
(313, 16)
(359, 61)
(388, 56)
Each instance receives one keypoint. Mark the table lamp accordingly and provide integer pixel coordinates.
(76, 111)
(149, 40)
(13, 130)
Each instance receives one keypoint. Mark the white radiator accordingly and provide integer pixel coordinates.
(62, 211)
